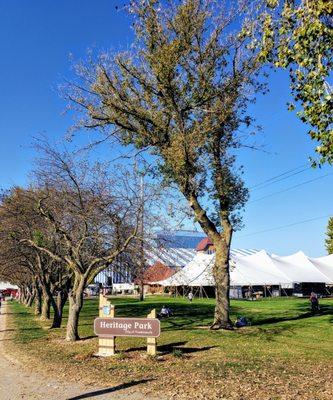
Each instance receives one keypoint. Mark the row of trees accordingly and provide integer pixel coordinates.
(74, 220)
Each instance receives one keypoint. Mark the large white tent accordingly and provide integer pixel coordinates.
(324, 265)
(7, 285)
(299, 268)
(256, 269)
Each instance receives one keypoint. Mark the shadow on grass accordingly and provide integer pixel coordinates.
(170, 347)
(194, 316)
(82, 339)
(21, 329)
(109, 390)
(14, 313)
(275, 320)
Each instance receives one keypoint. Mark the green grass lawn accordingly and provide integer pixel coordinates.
(285, 349)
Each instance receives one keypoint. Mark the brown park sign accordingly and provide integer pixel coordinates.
(137, 327)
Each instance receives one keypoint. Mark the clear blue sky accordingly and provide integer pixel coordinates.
(36, 40)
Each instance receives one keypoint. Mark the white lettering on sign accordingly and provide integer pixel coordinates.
(144, 327)
(138, 325)
(115, 324)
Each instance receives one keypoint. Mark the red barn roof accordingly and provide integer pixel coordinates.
(157, 272)
(204, 244)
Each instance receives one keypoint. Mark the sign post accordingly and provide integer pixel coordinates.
(151, 341)
(106, 346)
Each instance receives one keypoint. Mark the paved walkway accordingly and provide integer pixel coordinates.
(17, 382)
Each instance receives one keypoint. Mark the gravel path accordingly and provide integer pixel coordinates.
(17, 382)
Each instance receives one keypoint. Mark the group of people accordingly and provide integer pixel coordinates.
(240, 321)
(167, 312)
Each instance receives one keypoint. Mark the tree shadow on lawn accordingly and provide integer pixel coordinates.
(15, 313)
(109, 390)
(185, 316)
(188, 316)
(83, 339)
(273, 326)
(21, 329)
(170, 347)
(275, 320)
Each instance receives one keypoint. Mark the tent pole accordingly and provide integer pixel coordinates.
(279, 290)
(205, 293)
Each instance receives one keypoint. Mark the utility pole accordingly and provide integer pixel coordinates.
(140, 260)
(142, 231)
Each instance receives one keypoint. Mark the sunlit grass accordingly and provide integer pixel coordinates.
(284, 340)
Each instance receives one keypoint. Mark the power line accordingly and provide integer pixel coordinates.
(279, 180)
(280, 175)
(290, 188)
(287, 226)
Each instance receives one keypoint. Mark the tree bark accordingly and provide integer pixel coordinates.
(25, 296)
(38, 301)
(142, 291)
(75, 305)
(222, 243)
(30, 300)
(222, 287)
(46, 305)
(58, 307)
(47, 297)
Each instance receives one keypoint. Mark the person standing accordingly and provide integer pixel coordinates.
(190, 296)
(314, 302)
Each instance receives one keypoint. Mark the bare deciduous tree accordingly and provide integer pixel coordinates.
(22, 231)
(93, 214)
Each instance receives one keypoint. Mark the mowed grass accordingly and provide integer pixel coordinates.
(285, 352)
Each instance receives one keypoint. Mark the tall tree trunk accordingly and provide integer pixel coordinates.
(222, 287)
(46, 306)
(28, 297)
(58, 307)
(222, 243)
(25, 296)
(75, 305)
(21, 295)
(47, 297)
(30, 300)
(142, 291)
(38, 301)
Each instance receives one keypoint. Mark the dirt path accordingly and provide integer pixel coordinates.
(17, 382)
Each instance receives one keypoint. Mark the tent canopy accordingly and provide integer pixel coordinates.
(7, 285)
(256, 269)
